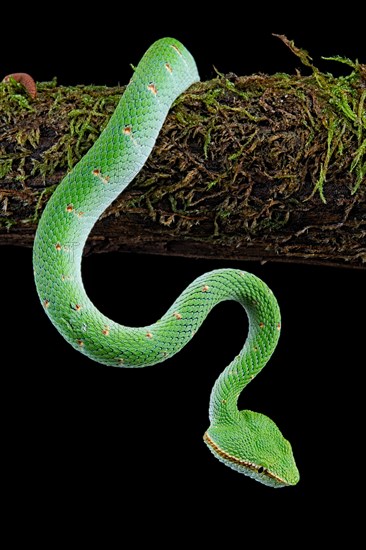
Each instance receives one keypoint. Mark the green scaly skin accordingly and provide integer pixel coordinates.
(246, 441)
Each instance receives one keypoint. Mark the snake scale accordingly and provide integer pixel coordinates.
(246, 441)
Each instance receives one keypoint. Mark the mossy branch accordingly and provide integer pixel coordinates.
(254, 167)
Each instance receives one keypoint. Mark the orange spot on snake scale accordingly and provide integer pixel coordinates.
(152, 88)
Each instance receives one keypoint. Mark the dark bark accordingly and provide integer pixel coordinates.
(268, 168)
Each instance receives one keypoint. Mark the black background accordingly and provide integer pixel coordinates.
(82, 436)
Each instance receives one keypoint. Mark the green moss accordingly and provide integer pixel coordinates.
(52, 133)
(347, 101)
(262, 140)
(5, 167)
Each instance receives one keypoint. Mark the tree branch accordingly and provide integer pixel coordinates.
(269, 168)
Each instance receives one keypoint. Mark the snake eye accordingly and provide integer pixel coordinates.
(260, 470)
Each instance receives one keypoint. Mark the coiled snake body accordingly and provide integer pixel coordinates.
(246, 441)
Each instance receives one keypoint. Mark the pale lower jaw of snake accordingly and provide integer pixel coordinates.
(238, 462)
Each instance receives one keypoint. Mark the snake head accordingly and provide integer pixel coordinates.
(255, 447)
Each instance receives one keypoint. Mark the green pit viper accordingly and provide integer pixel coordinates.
(246, 441)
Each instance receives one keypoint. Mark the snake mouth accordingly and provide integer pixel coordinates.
(241, 465)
